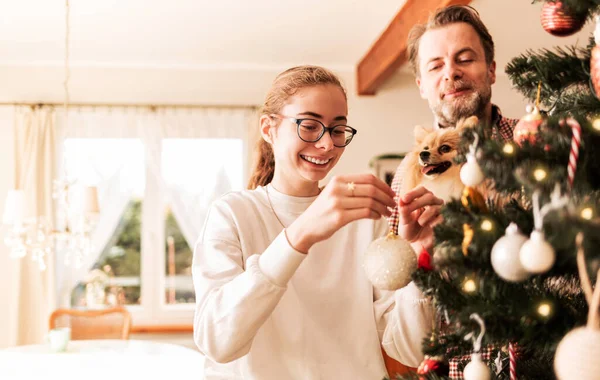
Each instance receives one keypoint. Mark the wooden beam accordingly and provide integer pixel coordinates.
(389, 52)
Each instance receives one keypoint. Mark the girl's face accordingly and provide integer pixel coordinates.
(298, 162)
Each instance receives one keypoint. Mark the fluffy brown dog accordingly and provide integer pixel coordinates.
(431, 162)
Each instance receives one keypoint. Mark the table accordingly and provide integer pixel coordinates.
(102, 359)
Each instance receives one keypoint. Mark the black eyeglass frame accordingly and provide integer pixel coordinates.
(324, 128)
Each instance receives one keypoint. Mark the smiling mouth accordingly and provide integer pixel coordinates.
(314, 160)
(457, 92)
(432, 169)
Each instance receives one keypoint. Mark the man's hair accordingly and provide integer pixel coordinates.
(446, 16)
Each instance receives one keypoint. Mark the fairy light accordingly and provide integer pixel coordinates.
(508, 148)
(487, 225)
(587, 213)
(540, 174)
(470, 286)
(544, 309)
(596, 124)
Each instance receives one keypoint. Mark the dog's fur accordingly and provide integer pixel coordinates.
(431, 162)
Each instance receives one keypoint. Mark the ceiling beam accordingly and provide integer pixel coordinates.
(389, 52)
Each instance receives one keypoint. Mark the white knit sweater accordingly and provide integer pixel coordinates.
(265, 311)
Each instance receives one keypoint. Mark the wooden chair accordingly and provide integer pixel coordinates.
(113, 323)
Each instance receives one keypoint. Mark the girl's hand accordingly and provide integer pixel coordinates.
(345, 199)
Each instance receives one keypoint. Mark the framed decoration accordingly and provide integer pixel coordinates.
(384, 166)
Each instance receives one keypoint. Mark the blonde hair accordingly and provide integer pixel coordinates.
(285, 86)
(446, 16)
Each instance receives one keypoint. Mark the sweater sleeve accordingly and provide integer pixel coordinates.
(404, 318)
(234, 298)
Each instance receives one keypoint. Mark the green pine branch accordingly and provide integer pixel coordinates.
(564, 75)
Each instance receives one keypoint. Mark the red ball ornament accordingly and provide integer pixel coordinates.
(424, 261)
(433, 364)
(528, 127)
(595, 69)
(560, 21)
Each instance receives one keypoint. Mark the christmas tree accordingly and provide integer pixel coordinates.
(506, 282)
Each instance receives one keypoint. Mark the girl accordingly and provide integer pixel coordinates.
(280, 289)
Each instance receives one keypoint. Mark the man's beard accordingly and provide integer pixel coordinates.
(449, 112)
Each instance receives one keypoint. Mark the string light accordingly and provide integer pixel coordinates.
(508, 148)
(544, 309)
(596, 124)
(540, 174)
(587, 213)
(487, 225)
(470, 286)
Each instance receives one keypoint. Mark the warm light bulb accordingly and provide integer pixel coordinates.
(544, 309)
(469, 286)
(487, 225)
(540, 174)
(596, 124)
(587, 213)
(508, 148)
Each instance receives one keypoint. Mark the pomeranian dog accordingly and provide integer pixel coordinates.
(431, 162)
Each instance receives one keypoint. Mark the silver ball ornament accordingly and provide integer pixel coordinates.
(476, 369)
(505, 255)
(577, 355)
(470, 173)
(537, 255)
(390, 262)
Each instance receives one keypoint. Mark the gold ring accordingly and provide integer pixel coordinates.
(351, 186)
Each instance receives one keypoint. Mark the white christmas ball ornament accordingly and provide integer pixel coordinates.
(577, 355)
(471, 174)
(537, 255)
(390, 262)
(505, 255)
(476, 369)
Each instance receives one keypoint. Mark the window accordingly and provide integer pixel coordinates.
(153, 205)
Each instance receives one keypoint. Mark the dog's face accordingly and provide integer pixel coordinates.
(436, 149)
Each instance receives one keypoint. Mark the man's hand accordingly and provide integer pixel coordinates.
(419, 212)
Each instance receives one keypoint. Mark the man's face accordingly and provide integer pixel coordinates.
(453, 74)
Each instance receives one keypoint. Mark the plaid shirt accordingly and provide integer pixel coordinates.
(503, 126)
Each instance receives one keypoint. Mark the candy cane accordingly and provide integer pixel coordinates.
(574, 154)
(513, 362)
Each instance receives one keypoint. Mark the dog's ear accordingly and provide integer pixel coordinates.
(420, 133)
(469, 122)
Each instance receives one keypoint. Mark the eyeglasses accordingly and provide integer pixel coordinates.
(311, 130)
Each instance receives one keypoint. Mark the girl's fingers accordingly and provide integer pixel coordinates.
(359, 213)
(370, 192)
(351, 203)
(365, 179)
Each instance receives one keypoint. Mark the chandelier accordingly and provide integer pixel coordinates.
(34, 236)
(76, 205)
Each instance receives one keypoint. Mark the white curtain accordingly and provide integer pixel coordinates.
(159, 133)
(190, 192)
(31, 298)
